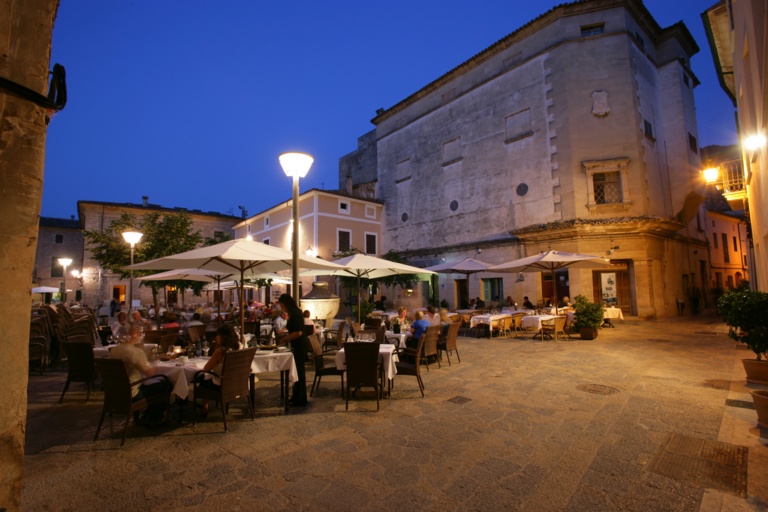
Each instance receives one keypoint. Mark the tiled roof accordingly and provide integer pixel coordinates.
(157, 207)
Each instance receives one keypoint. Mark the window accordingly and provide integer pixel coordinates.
(518, 126)
(729, 282)
(735, 245)
(714, 239)
(343, 240)
(56, 269)
(607, 183)
(266, 222)
(344, 207)
(493, 289)
(451, 151)
(693, 143)
(370, 212)
(607, 187)
(371, 243)
(592, 30)
(726, 254)
(403, 171)
(648, 129)
(59, 239)
(265, 241)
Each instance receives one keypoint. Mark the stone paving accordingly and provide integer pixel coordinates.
(508, 428)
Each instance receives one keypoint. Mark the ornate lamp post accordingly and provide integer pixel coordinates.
(296, 165)
(132, 237)
(64, 262)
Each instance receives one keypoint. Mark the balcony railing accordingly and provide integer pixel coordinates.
(731, 181)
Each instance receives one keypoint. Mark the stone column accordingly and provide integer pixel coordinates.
(25, 45)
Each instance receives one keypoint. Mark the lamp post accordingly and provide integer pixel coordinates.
(295, 165)
(132, 237)
(64, 262)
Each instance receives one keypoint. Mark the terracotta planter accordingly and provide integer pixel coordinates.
(760, 398)
(757, 371)
(588, 333)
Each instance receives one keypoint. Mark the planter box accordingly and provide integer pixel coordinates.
(757, 371)
(588, 333)
(760, 398)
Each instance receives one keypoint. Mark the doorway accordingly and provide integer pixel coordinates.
(118, 293)
(461, 292)
(612, 287)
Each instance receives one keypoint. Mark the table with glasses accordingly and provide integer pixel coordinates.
(384, 315)
(401, 337)
(608, 315)
(533, 322)
(101, 352)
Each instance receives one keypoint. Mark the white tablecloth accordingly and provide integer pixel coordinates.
(467, 311)
(104, 351)
(401, 337)
(486, 319)
(387, 358)
(613, 313)
(533, 322)
(389, 315)
(266, 361)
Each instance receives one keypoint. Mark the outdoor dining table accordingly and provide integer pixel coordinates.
(401, 337)
(387, 358)
(608, 314)
(385, 315)
(487, 320)
(101, 352)
(533, 322)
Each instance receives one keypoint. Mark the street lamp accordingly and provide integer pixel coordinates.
(65, 262)
(132, 237)
(710, 175)
(295, 165)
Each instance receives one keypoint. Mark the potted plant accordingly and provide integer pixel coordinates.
(588, 317)
(744, 311)
(396, 326)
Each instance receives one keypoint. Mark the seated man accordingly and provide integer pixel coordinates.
(381, 303)
(479, 303)
(527, 304)
(120, 327)
(280, 324)
(432, 316)
(138, 367)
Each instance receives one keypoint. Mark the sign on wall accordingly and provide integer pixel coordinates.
(608, 282)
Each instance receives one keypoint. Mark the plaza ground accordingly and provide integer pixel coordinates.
(519, 424)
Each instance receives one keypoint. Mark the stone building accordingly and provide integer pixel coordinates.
(99, 285)
(58, 238)
(739, 44)
(575, 132)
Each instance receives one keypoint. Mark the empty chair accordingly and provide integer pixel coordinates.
(321, 370)
(117, 392)
(37, 352)
(373, 322)
(406, 367)
(80, 366)
(448, 343)
(430, 345)
(554, 327)
(234, 382)
(362, 361)
(334, 338)
(196, 333)
(517, 323)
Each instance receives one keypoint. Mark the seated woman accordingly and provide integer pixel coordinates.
(565, 302)
(170, 321)
(308, 321)
(418, 328)
(226, 340)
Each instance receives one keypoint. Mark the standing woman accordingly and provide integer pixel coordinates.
(299, 346)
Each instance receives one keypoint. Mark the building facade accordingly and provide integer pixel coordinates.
(737, 35)
(58, 238)
(100, 286)
(576, 132)
(329, 223)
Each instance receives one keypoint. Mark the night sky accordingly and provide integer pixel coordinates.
(191, 102)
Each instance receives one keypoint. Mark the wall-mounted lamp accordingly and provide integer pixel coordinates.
(311, 252)
(520, 277)
(754, 142)
(614, 248)
(710, 174)
(478, 250)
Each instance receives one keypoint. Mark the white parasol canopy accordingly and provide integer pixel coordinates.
(370, 267)
(241, 258)
(467, 266)
(46, 289)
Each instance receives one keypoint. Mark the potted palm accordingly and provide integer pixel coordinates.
(744, 311)
(588, 317)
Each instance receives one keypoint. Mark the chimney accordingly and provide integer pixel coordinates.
(145, 201)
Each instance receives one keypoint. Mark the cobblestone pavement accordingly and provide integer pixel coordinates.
(511, 427)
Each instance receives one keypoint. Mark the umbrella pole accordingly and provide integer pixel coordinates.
(240, 309)
(358, 299)
(554, 293)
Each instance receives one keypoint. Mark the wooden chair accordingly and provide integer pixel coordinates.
(430, 345)
(333, 339)
(165, 341)
(117, 392)
(362, 361)
(405, 367)
(321, 370)
(448, 343)
(234, 382)
(152, 337)
(372, 322)
(37, 352)
(554, 327)
(196, 333)
(80, 366)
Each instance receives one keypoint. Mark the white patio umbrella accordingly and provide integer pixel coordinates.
(551, 261)
(190, 274)
(370, 267)
(242, 258)
(46, 289)
(467, 266)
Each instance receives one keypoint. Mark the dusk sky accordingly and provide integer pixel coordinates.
(191, 102)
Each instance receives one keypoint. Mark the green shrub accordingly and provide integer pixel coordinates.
(588, 314)
(746, 312)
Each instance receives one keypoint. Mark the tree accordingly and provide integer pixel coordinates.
(164, 235)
